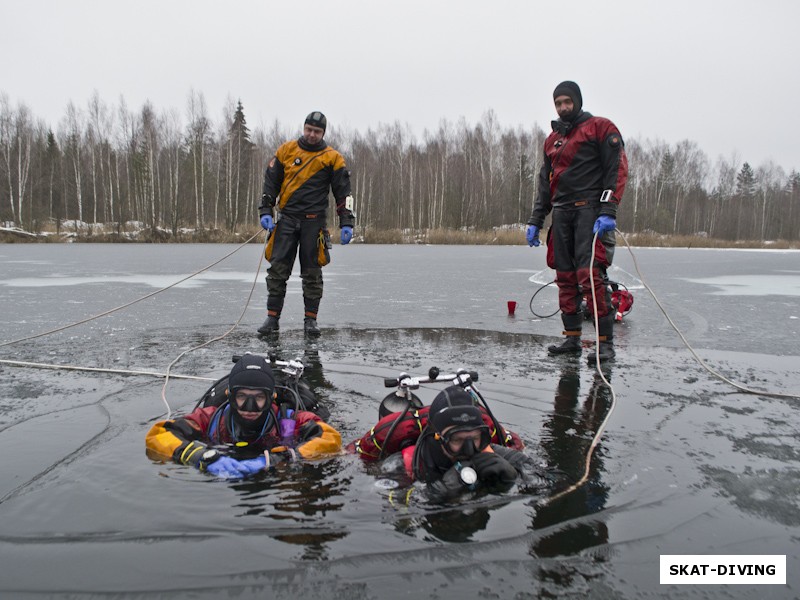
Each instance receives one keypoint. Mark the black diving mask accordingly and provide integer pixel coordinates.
(463, 443)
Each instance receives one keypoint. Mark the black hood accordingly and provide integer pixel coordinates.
(311, 147)
(571, 89)
(564, 127)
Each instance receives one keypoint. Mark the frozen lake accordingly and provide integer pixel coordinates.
(688, 464)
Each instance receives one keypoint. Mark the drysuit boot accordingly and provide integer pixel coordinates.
(271, 325)
(572, 329)
(605, 347)
(310, 326)
(606, 352)
(570, 345)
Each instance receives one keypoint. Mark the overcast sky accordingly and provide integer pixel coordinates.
(721, 73)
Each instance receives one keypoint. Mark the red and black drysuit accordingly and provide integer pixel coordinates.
(297, 180)
(582, 159)
(406, 442)
(426, 461)
(187, 438)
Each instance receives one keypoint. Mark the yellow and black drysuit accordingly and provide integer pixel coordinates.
(297, 180)
(198, 437)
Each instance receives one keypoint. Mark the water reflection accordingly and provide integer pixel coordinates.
(567, 435)
(296, 500)
(456, 525)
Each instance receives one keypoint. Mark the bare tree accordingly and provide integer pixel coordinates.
(198, 135)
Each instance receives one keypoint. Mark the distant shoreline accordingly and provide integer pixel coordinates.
(509, 236)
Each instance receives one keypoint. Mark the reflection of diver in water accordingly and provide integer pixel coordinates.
(297, 499)
(301, 493)
(309, 355)
(456, 525)
(566, 440)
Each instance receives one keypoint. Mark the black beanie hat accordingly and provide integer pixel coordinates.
(317, 119)
(571, 89)
(252, 372)
(454, 407)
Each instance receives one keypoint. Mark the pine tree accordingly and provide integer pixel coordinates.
(239, 156)
(746, 181)
(53, 158)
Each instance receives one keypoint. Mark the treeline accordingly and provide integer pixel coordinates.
(172, 170)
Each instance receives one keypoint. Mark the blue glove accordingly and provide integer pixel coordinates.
(533, 235)
(230, 468)
(254, 465)
(347, 234)
(267, 222)
(604, 223)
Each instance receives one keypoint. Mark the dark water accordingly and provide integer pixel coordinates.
(688, 464)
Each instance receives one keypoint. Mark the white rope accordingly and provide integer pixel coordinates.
(168, 373)
(596, 439)
(35, 365)
(216, 339)
(145, 297)
(702, 363)
(601, 429)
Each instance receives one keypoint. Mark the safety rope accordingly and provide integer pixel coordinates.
(216, 339)
(168, 374)
(702, 363)
(132, 302)
(35, 365)
(598, 434)
(596, 439)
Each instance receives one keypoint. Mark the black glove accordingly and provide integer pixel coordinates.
(196, 454)
(267, 203)
(493, 469)
(280, 454)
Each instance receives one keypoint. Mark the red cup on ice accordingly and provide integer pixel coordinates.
(512, 306)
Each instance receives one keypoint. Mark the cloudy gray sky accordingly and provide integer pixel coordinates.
(716, 72)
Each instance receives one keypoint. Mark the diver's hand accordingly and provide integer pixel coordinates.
(253, 465)
(267, 222)
(493, 469)
(604, 223)
(279, 454)
(532, 235)
(230, 468)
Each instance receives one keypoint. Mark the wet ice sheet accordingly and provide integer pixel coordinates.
(154, 281)
(687, 464)
(753, 285)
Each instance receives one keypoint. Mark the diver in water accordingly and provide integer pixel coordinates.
(454, 453)
(246, 433)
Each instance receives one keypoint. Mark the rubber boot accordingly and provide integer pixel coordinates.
(605, 326)
(269, 326)
(572, 329)
(570, 345)
(606, 352)
(310, 327)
